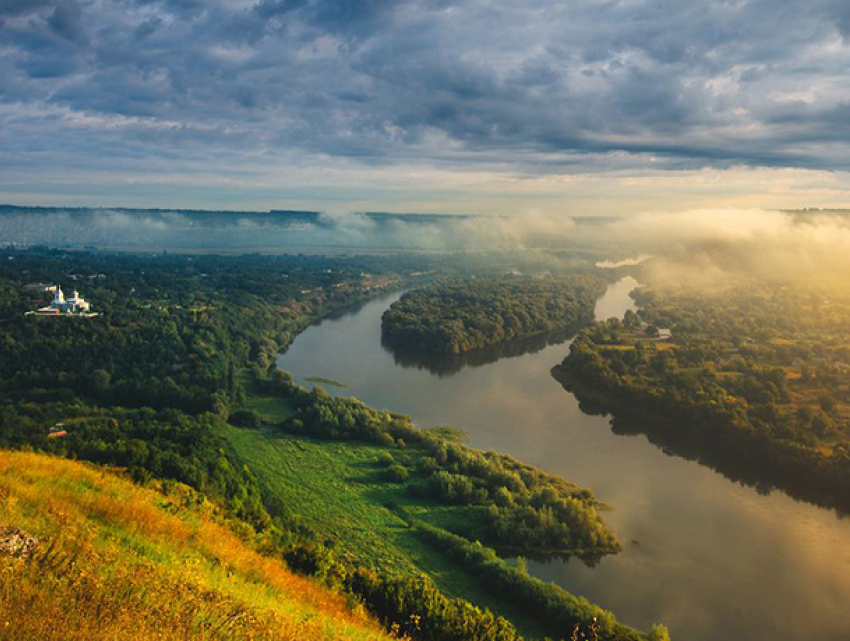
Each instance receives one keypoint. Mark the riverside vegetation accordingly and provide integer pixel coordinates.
(464, 314)
(176, 379)
(754, 381)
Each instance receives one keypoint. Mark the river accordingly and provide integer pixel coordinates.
(711, 559)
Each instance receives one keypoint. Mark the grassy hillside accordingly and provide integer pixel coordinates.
(190, 350)
(122, 562)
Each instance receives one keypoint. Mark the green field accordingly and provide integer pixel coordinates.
(276, 408)
(337, 489)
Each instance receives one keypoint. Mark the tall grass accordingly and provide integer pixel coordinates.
(120, 562)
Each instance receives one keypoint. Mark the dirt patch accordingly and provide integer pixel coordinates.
(16, 542)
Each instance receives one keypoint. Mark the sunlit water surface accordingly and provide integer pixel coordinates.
(713, 560)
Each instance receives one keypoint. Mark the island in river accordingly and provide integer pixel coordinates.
(466, 314)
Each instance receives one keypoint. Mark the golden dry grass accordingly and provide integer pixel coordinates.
(120, 562)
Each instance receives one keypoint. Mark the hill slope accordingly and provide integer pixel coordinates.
(118, 561)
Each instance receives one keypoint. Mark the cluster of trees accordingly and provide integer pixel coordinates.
(411, 606)
(147, 386)
(163, 444)
(517, 507)
(464, 314)
(178, 329)
(757, 371)
(426, 613)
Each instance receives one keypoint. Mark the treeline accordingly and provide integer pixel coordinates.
(148, 385)
(163, 444)
(170, 445)
(752, 382)
(411, 606)
(177, 328)
(460, 315)
(516, 507)
(560, 608)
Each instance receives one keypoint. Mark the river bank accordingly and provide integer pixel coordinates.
(711, 558)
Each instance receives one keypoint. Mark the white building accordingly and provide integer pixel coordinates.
(76, 305)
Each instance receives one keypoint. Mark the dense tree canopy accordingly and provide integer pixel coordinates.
(459, 315)
(144, 384)
(761, 371)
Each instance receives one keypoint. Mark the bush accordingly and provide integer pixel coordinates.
(427, 465)
(384, 459)
(245, 418)
(396, 473)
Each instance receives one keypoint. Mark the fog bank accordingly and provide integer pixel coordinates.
(699, 247)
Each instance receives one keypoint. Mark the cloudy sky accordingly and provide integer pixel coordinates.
(581, 107)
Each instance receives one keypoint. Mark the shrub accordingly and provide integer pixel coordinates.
(245, 418)
(396, 473)
(384, 459)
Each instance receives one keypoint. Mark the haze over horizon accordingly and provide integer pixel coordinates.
(595, 108)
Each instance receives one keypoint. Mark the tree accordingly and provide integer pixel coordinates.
(245, 418)
(100, 380)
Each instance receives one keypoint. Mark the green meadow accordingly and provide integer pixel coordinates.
(339, 490)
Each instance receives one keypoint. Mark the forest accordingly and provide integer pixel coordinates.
(753, 378)
(183, 343)
(143, 384)
(464, 314)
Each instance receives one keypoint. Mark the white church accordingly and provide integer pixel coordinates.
(76, 305)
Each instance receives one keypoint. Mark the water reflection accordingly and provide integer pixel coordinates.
(444, 365)
(614, 303)
(738, 466)
(759, 472)
(713, 559)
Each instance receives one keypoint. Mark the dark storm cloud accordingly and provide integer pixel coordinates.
(66, 21)
(17, 7)
(533, 86)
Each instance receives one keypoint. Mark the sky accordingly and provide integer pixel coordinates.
(586, 107)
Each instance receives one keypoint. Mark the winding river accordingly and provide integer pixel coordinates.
(711, 559)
